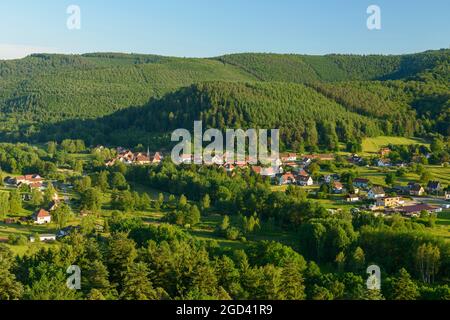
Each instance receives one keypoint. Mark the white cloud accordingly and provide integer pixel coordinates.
(16, 51)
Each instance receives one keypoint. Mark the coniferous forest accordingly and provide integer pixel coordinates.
(97, 96)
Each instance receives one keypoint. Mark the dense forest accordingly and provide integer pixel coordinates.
(101, 97)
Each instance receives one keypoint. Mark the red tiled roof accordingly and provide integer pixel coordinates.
(42, 213)
(303, 173)
(142, 158)
(417, 208)
(30, 177)
(337, 185)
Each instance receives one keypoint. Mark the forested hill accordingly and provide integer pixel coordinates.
(303, 68)
(401, 95)
(306, 117)
(55, 87)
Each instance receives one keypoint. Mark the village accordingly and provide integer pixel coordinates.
(357, 192)
(411, 200)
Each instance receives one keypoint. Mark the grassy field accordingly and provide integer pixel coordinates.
(377, 175)
(442, 228)
(373, 145)
(440, 173)
(26, 231)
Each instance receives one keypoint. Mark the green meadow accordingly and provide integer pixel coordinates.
(373, 145)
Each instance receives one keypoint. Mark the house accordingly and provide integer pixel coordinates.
(352, 198)
(216, 159)
(266, 172)
(141, 159)
(384, 152)
(388, 202)
(337, 187)
(44, 238)
(42, 217)
(305, 181)
(416, 189)
(328, 178)
(384, 163)
(287, 178)
(376, 192)
(416, 210)
(289, 157)
(66, 231)
(241, 164)
(198, 158)
(321, 157)
(301, 173)
(186, 158)
(305, 162)
(361, 183)
(434, 187)
(356, 159)
(447, 195)
(126, 157)
(157, 158)
(28, 179)
(270, 172)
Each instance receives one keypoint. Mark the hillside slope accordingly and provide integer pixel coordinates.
(304, 68)
(53, 88)
(400, 95)
(303, 115)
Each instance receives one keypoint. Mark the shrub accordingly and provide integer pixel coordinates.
(232, 233)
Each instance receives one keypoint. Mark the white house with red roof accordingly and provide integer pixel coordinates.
(42, 217)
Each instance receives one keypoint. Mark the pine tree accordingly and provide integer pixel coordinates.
(225, 224)
(182, 202)
(136, 284)
(102, 181)
(358, 260)
(206, 202)
(10, 288)
(292, 285)
(145, 202)
(403, 287)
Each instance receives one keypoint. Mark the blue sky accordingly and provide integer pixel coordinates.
(203, 28)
